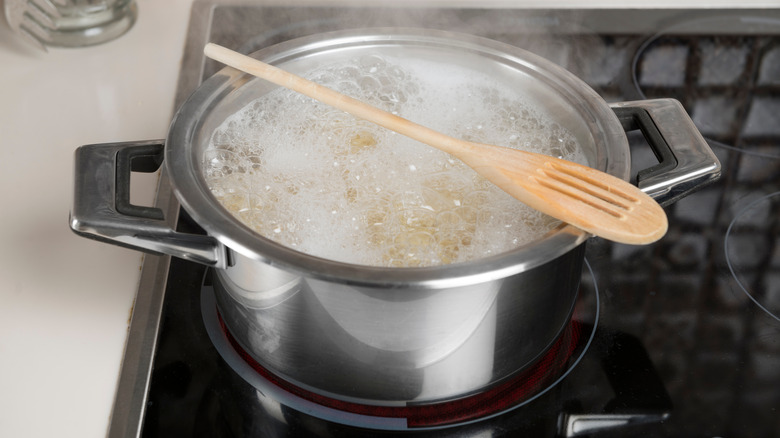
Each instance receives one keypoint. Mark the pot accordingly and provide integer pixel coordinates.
(374, 335)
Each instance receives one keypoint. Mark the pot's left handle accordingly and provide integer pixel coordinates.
(102, 209)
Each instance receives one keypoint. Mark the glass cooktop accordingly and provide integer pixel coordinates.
(687, 341)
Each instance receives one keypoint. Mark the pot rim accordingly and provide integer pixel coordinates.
(193, 194)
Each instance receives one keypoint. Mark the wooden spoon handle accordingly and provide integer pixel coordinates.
(335, 99)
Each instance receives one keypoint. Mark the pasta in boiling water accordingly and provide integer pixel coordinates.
(325, 183)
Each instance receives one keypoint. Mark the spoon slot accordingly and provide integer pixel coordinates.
(573, 191)
(594, 182)
(610, 196)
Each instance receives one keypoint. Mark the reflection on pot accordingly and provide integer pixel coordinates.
(426, 326)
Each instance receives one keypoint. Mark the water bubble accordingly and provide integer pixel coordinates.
(369, 85)
(372, 63)
(448, 220)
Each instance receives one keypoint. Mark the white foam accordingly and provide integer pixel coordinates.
(321, 181)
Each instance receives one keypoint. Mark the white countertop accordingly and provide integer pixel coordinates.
(65, 301)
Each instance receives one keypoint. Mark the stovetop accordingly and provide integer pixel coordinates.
(687, 339)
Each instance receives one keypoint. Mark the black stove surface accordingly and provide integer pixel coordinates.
(194, 392)
(688, 336)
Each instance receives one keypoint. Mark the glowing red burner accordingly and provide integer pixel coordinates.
(512, 392)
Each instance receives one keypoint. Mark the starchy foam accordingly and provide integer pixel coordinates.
(320, 181)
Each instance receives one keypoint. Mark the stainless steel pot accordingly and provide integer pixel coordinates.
(384, 335)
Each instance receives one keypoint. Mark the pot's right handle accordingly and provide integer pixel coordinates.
(686, 162)
(102, 209)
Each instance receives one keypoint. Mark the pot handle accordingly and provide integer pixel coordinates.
(686, 162)
(102, 209)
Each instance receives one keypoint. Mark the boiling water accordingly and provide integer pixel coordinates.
(323, 182)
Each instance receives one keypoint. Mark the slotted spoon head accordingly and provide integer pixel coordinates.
(591, 200)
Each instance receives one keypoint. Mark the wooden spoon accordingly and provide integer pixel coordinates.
(589, 199)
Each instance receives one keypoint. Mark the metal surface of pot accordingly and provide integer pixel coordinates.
(385, 335)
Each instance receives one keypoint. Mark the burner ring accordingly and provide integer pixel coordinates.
(755, 296)
(470, 409)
